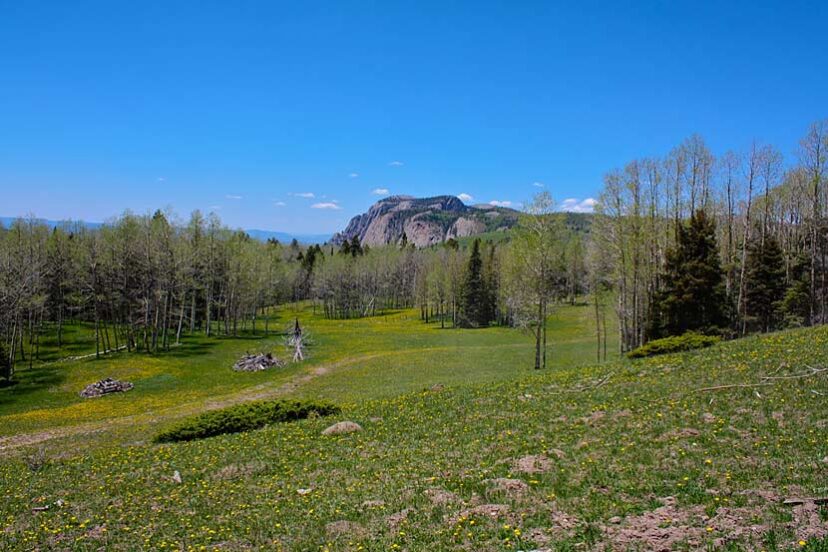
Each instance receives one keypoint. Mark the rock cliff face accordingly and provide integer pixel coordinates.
(424, 221)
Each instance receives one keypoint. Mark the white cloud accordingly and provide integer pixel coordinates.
(279, 203)
(538, 184)
(396, 164)
(465, 198)
(573, 205)
(330, 205)
(161, 179)
(497, 203)
(231, 196)
(380, 191)
(306, 195)
(353, 175)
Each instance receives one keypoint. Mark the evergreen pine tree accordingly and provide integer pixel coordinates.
(491, 284)
(764, 284)
(693, 297)
(356, 247)
(474, 298)
(796, 303)
(345, 248)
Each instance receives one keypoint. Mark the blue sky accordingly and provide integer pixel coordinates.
(248, 107)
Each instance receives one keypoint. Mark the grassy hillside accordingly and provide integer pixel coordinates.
(693, 451)
(367, 358)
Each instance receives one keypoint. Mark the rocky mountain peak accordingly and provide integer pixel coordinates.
(424, 221)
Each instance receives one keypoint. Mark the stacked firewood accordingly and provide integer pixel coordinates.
(104, 387)
(257, 363)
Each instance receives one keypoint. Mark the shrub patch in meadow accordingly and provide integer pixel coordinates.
(243, 417)
(674, 344)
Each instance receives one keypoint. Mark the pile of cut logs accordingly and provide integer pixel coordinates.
(104, 387)
(257, 363)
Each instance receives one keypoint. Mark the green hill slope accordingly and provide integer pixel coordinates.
(689, 452)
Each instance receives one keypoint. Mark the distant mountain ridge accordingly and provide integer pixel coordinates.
(262, 235)
(424, 221)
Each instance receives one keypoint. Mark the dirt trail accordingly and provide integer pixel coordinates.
(261, 391)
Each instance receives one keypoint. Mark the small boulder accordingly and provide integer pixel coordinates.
(342, 427)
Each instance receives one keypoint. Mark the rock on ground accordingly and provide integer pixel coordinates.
(342, 427)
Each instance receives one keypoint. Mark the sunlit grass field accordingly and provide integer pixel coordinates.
(365, 358)
(624, 455)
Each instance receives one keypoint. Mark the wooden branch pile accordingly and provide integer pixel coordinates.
(257, 363)
(768, 380)
(105, 387)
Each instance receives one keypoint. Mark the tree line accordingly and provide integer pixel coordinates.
(141, 280)
(731, 244)
(144, 281)
(690, 242)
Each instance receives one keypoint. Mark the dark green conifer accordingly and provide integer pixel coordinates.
(693, 294)
(474, 300)
(764, 284)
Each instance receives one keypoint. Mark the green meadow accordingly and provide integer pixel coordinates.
(365, 358)
(463, 446)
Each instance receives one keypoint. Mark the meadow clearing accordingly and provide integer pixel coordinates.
(463, 446)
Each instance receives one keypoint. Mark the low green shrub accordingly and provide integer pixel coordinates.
(243, 417)
(674, 344)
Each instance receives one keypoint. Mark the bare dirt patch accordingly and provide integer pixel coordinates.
(669, 526)
(536, 463)
(658, 530)
(562, 523)
(484, 511)
(238, 471)
(680, 433)
(345, 529)
(395, 520)
(441, 497)
(511, 487)
(807, 522)
(595, 417)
